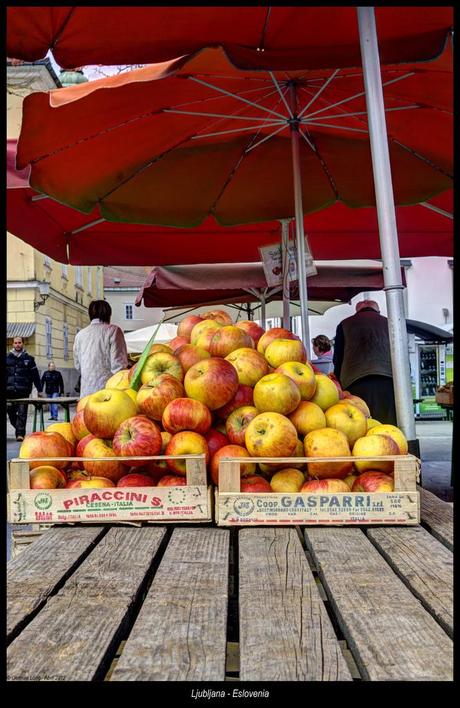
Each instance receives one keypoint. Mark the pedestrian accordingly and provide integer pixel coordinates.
(53, 385)
(21, 375)
(322, 346)
(99, 350)
(362, 361)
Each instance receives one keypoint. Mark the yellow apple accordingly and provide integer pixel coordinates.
(328, 442)
(271, 435)
(287, 480)
(249, 364)
(378, 445)
(280, 351)
(202, 327)
(326, 393)
(277, 393)
(302, 375)
(106, 410)
(271, 334)
(132, 394)
(66, 431)
(307, 416)
(394, 432)
(371, 423)
(119, 380)
(349, 419)
(359, 402)
(350, 480)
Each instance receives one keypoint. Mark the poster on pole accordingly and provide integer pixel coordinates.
(272, 260)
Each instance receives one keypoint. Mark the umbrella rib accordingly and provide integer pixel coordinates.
(323, 165)
(361, 93)
(87, 226)
(332, 76)
(236, 96)
(281, 93)
(329, 125)
(422, 158)
(261, 47)
(267, 137)
(427, 205)
(361, 113)
(238, 130)
(216, 115)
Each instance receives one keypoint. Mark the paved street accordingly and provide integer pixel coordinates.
(435, 448)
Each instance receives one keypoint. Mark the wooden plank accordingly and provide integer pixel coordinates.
(41, 567)
(406, 474)
(391, 636)
(285, 631)
(424, 565)
(76, 633)
(438, 515)
(181, 631)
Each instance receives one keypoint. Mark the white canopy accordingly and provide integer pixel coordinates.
(138, 339)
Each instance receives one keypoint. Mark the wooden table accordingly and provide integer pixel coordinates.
(38, 404)
(190, 603)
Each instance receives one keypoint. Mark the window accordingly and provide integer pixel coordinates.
(48, 330)
(129, 313)
(296, 325)
(66, 340)
(64, 271)
(79, 276)
(273, 322)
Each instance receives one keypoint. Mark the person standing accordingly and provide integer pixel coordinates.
(362, 361)
(21, 375)
(322, 347)
(53, 385)
(99, 350)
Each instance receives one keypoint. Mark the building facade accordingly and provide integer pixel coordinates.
(47, 302)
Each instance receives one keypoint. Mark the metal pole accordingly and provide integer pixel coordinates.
(300, 236)
(387, 222)
(285, 264)
(263, 319)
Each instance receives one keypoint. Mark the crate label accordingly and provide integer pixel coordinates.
(127, 503)
(391, 507)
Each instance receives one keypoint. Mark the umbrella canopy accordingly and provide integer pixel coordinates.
(428, 332)
(175, 142)
(279, 37)
(196, 285)
(137, 340)
(339, 232)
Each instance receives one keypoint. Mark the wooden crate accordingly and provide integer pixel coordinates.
(402, 506)
(190, 503)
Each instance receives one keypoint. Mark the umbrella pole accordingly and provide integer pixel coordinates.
(263, 318)
(285, 263)
(300, 235)
(387, 222)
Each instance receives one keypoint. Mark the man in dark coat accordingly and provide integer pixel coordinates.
(362, 361)
(21, 375)
(53, 386)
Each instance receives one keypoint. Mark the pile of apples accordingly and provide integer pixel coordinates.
(222, 390)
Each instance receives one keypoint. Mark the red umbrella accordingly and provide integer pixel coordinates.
(339, 232)
(197, 285)
(278, 37)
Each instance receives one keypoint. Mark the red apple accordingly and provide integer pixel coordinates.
(155, 468)
(255, 485)
(110, 469)
(271, 334)
(212, 381)
(244, 396)
(106, 410)
(137, 437)
(65, 429)
(45, 445)
(215, 439)
(92, 482)
(187, 442)
(161, 363)
(154, 396)
(185, 327)
(229, 338)
(74, 475)
(159, 347)
(219, 316)
(252, 328)
(172, 481)
(82, 403)
(47, 477)
(237, 423)
(373, 481)
(189, 354)
(82, 444)
(321, 486)
(249, 364)
(135, 480)
(177, 342)
(246, 469)
(186, 414)
(79, 428)
(201, 328)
